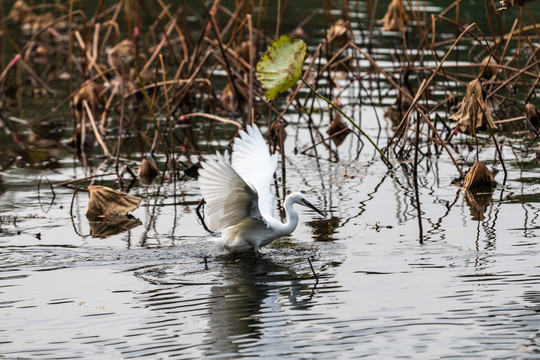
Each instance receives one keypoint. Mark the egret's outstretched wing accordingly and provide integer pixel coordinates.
(253, 162)
(229, 200)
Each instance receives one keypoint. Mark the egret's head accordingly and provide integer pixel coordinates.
(298, 198)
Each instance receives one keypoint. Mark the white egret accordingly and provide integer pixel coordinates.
(239, 200)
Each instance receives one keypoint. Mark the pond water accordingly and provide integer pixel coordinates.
(396, 272)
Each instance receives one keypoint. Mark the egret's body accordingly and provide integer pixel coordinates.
(239, 201)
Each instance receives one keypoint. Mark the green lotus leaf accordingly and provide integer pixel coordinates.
(281, 65)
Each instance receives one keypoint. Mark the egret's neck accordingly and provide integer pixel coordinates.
(292, 217)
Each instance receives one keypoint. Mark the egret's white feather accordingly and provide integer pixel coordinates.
(253, 162)
(229, 200)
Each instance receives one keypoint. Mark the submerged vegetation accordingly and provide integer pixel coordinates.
(166, 82)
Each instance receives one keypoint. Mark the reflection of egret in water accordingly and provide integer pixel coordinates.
(253, 299)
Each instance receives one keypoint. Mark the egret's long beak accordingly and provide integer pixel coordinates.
(312, 207)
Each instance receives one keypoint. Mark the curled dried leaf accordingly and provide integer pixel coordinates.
(21, 12)
(109, 202)
(276, 134)
(396, 18)
(299, 33)
(489, 67)
(338, 35)
(338, 130)
(39, 22)
(398, 109)
(228, 99)
(90, 91)
(124, 51)
(533, 115)
(243, 50)
(473, 115)
(147, 171)
(479, 177)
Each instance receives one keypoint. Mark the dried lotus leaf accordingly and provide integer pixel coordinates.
(147, 171)
(338, 33)
(21, 12)
(228, 99)
(479, 177)
(396, 18)
(109, 202)
(474, 114)
(338, 130)
(533, 115)
(489, 67)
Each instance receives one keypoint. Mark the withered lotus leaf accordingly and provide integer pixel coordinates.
(123, 51)
(337, 35)
(21, 12)
(479, 177)
(533, 115)
(474, 114)
(489, 67)
(243, 50)
(228, 98)
(109, 202)
(396, 18)
(147, 171)
(276, 133)
(338, 127)
(90, 91)
(148, 168)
